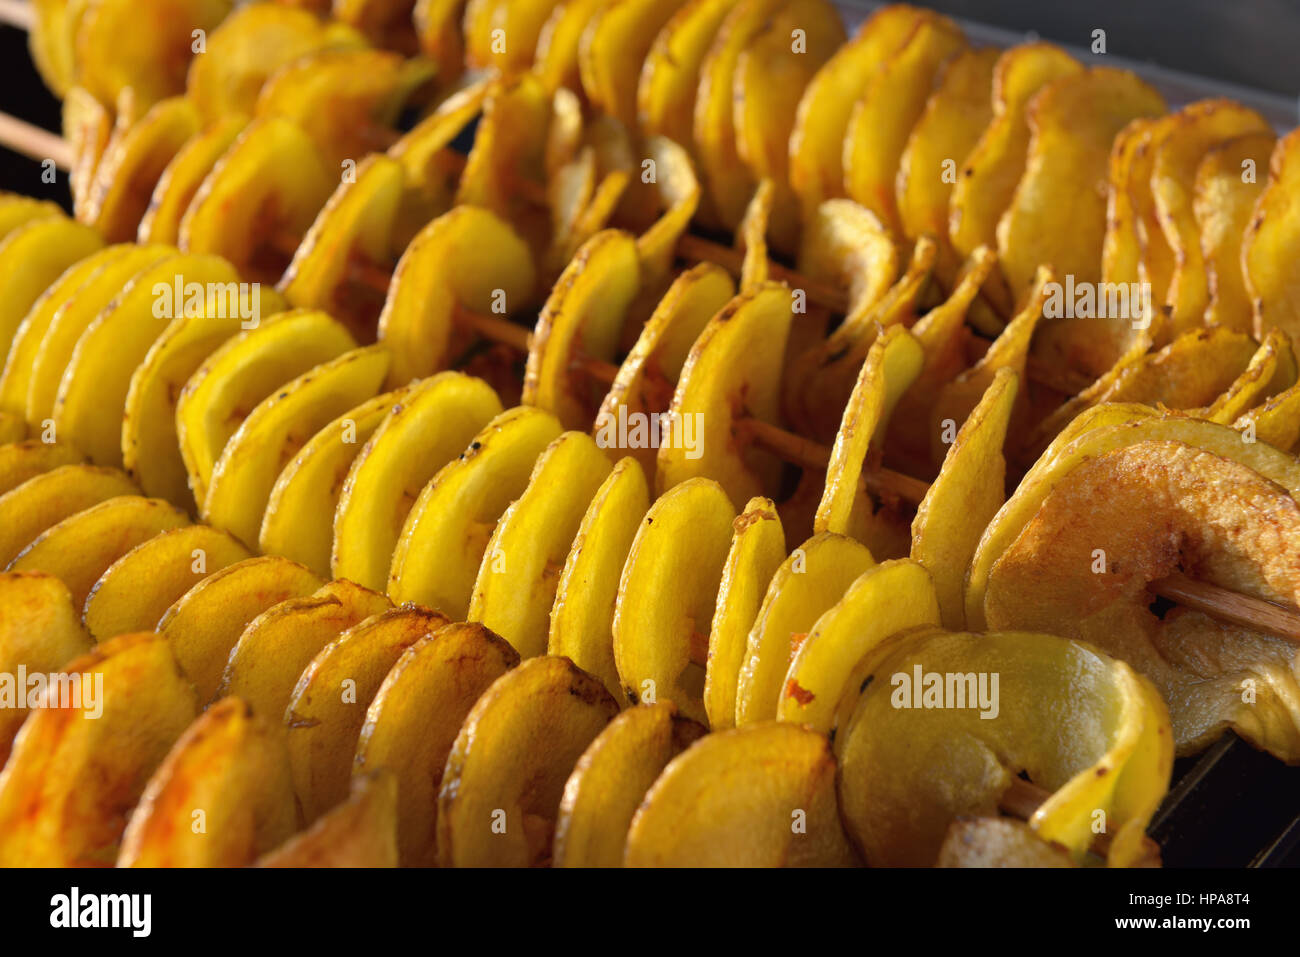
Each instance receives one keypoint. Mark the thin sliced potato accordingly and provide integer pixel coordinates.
(31, 258)
(360, 832)
(181, 178)
(613, 50)
(49, 497)
(1269, 245)
(666, 90)
(20, 461)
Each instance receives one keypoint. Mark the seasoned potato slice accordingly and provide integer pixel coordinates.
(1276, 421)
(505, 775)
(48, 498)
(31, 258)
(221, 798)
(180, 180)
(139, 587)
(611, 779)
(441, 546)
(666, 90)
(1270, 243)
(416, 716)
(70, 782)
(360, 832)
(613, 50)
(20, 461)
(204, 624)
(762, 796)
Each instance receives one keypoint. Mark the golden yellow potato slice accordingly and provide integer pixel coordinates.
(822, 119)
(468, 258)
(1272, 368)
(1189, 373)
(415, 717)
(512, 30)
(762, 796)
(1276, 421)
(676, 194)
(20, 461)
(521, 565)
(1073, 121)
(266, 656)
(998, 842)
(133, 162)
(74, 317)
(204, 624)
(271, 183)
(360, 832)
(183, 175)
(1123, 257)
(87, 125)
(610, 780)
(678, 554)
(277, 428)
(50, 40)
(46, 499)
(386, 23)
(582, 618)
(929, 741)
(666, 90)
(250, 45)
(92, 398)
(328, 707)
(477, 26)
(733, 370)
(965, 496)
(71, 783)
(613, 49)
(823, 678)
(442, 543)
(221, 798)
(39, 631)
(151, 449)
(1271, 241)
(1224, 198)
(19, 211)
(989, 173)
(137, 589)
(299, 519)
(436, 419)
(808, 583)
(438, 32)
(31, 258)
(145, 46)
(505, 776)
(844, 244)
(240, 375)
(891, 103)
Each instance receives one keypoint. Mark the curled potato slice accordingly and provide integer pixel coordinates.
(435, 420)
(70, 783)
(761, 796)
(442, 543)
(47, 499)
(613, 49)
(416, 716)
(51, 36)
(666, 90)
(182, 177)
(32, 257)
(203, 625)
(517, 580)
(386, 23)
(1276, 421)
(582, 618)
(328, 707)
(902, 741)
(1270, 242)
(87, 125)
(360, 832)
(231, 768)
(611, 779)
(505, 776)
(20, 461)
(1271, 368)
(137, 589)
(438, 32)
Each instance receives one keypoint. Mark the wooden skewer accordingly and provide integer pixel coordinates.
(1231, 607)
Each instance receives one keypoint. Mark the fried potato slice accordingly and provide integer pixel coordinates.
(521, 565)
(236, 378)
(666, 90)
(438, 32)
(757, 552)
(1270, 243)
(909, 768)
(584, 313)
(505, 776)
(70, 782)
(435, 420)
(272, 182)
(267, 656)
(964, 498)
(762, 796)
(582, 618)
(808, 583)
(892, 102)
(204, 624)
(1073, 121)
(1228, 183)
(612, 52)
(299, 519)
(48, 498)
(684, 540)
(1188, 373)
(442, 543)
(39, 631)
(17, 211)
(415, 717)
(250, 45)
(91, 400)
(360, 832)
(328, 707)
(87, 125)
(1276, 421)
(734, 369)
(74, 317)
(468, 257)
(611, 779)
(826, 106)
(997, 842)
(50, 41)
(385, 23)
(221, 798)
(137, 589)
(181, 178)
(32, 257)
(20, 461)
(1128, 196)
(1272, 366)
